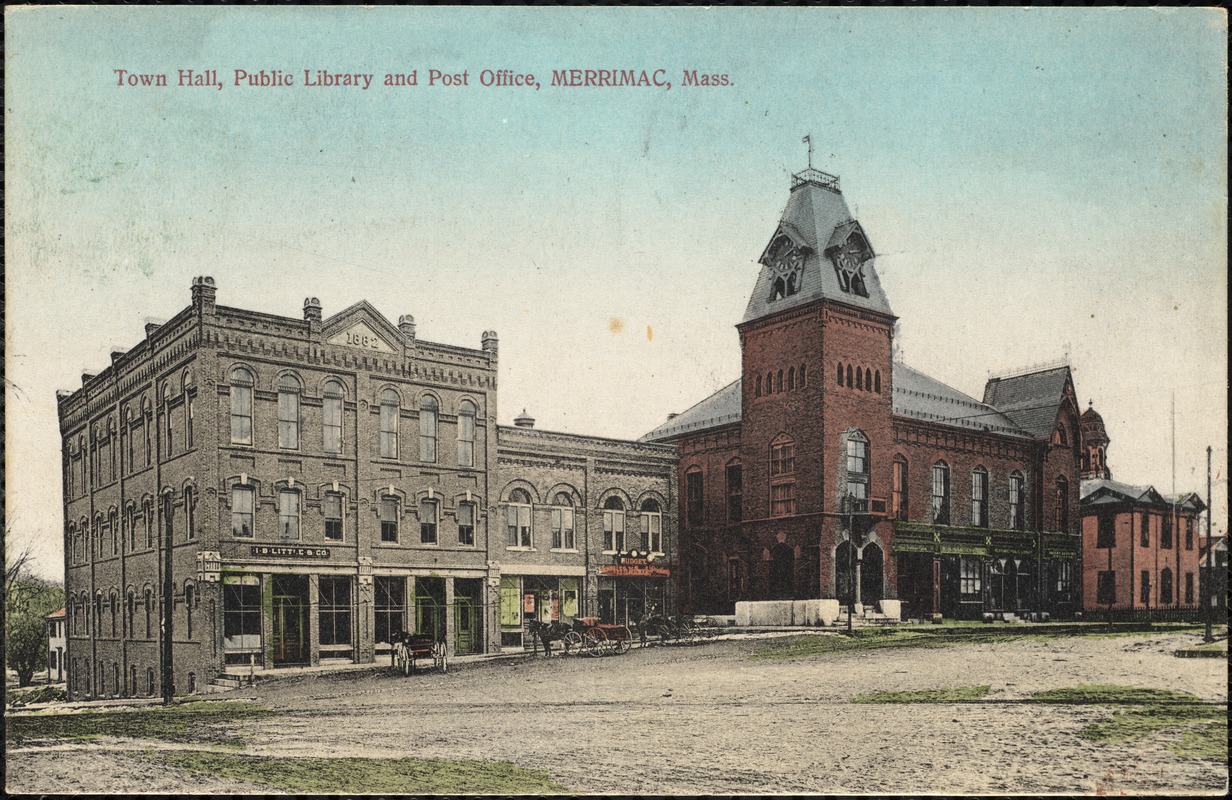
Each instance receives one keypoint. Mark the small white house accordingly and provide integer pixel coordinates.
(56, 646)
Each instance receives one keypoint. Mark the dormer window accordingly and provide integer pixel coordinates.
(849, 261)
(787, 261)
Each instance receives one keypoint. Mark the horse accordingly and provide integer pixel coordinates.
(658, 625)
(547, 632)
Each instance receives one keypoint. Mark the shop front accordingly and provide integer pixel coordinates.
(635, 586)
(542, 598)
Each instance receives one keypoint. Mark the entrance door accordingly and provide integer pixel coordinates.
(467, 619)
(430, 607)
(290, 609)
(872, 574)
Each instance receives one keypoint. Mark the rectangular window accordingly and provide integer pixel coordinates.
(1105, 591)
(898, 490)
(1145, 530)
(335, 610)
(333, 516)
(188, 420)
(1189, 533)
(693, 496)
(241, 612)
(783, 499)
(979, 499)
(1065, 578)
(288, 516)
(1017, 503)
(389, 605)
(1107, 532)
(427, 433)
(466, 523)
(613, 531)
(518, 525)
(735, 578)
(1144, 587)
(562, 529)
(735, 492)
(652, 527)
(331, 411)
(1189, 588)
(427, 522)
(941, 495)
(969, 578)
(389, 519)
(288, 420)
(857, 457)
(241, 418)
(389, 429)
(1165, 532)
(466, 440)
(782, 459)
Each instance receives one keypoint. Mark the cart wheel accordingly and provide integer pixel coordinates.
(440, 658)
(574, 644)
(624, 641)
(594, 640)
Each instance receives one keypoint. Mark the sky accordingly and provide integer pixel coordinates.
(1038, 184)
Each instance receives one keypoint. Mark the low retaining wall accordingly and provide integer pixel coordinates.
(785, 613)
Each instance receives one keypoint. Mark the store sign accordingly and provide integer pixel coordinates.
(282, 551)
(635, 567)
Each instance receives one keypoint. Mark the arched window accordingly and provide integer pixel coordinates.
(849, 382)
(1060, 435)
(782, 476)
(840, 374)
(778, 381)
(147, 423)
(800, 377)
(126, 442)
(149, 681)
(857, 470)
(693, 496)
(877, 381)
(652, 526)
(791, 379)
(979, 497)
(288, 412)
(189, 602)
(735, 490)
(149, 609)
(562, 522)
(147, 511)
(100, 531)
(113, 603)
(1165, 586)
(1018, 498)
(769, 383)
(868, 379)
(241, 406)
(466, 433)
(940, 511)
(898, 488)
(113, 531)
(428, 408)
(1062, 501)
(190, 511)
(130, 606)
(186, 388)
(613, 525)
(757, 391)
(518, 519)
(331, 417)
(168, 420)
(391, 409)
(130, 522)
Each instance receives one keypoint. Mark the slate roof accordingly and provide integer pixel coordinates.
(1031, 401)
(1093, 491)
(918, 396)
(816, 217)
(720, 408)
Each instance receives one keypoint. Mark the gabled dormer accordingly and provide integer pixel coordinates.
(362, 326)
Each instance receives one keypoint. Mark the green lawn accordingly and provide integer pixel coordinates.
(186, 722)
(953, 694)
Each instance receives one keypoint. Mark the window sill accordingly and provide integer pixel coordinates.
(521, 549)
(564, 550)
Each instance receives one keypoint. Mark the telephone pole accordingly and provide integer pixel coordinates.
(1208, 598)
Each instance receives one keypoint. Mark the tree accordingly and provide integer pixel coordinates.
(25, 647)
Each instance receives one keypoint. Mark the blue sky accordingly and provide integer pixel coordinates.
(1035, 181)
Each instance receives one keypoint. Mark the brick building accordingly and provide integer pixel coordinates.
(247, 488)
(828, 470)
(1141, 549)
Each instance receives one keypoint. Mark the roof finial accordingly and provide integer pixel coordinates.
(808, 139)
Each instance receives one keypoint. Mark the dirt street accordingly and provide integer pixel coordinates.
(708, 719)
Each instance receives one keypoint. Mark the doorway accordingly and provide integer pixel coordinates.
(290, 610)
(430, 607)
(468, 621)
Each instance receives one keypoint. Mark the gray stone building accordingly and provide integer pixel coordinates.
(242, 488)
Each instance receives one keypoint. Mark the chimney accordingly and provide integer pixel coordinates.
(406, 324)
(524, 420)
(490, 344)
(203, 292)
(672, 416)
(87, 376)
(117, 353)
(152, 324)
(312, 309)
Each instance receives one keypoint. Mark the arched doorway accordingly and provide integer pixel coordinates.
(872, 569)
(782, 571)
(844, 569)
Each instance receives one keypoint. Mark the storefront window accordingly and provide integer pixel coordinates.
(335, 610)
(241, 612)
(389, 604)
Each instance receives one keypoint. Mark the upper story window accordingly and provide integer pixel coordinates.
(427, 521)
(241, 407)
(940, 510)
(168, 420)
(1189, 533)
(857, 469)
(1060, 435)
(518, 519)
(757, 391)
(391, 409)
(735, 491)
(389, 518)
(562, 522)
(1145, 530)
(241, 511)
(693, 491)
(332, 506)
(189, 393)
(849, 261)
(466, 433)
(428, 408)
(787, 262)
(1106, 537)
(782, 477)
(126, 431)
(331, 417)
(190, 513)
(898, 488)
(1165, 531)
(147, 510)
(288, 412)
(613, 525)
(1018, 497)
(1062, 501)
(877, 381)
(652, 526)
(979, 497)
(466, 523)
(288, 515)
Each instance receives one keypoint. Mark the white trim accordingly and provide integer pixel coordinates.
(542, 569)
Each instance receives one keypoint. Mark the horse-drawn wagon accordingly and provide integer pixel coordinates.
(586, 635)
(411, 647)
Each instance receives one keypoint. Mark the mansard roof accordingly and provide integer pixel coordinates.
(1032, 401)
(817, 220)
(1103, 491)
(721, 408)
(919, 396)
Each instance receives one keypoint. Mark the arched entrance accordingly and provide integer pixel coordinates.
(782, 571)
(872, 571)
(844, 569)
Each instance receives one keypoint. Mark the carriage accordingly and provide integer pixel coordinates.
(411, 647)
(595, 638)
(674, 630)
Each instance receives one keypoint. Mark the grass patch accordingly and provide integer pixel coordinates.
(955, 694)
(1142, 713)
(367, 775)
(187, 722)
(40, 694)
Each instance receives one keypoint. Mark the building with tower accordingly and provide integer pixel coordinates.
(831, 471)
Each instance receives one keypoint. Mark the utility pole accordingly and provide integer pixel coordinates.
(1209, 594)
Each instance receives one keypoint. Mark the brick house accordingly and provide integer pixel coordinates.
(1141, 549)
(243, 488)
(829, 470)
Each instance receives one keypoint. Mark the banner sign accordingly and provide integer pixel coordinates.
(283, 551)
(631, 568)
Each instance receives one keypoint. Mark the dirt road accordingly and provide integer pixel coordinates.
(708, 719)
